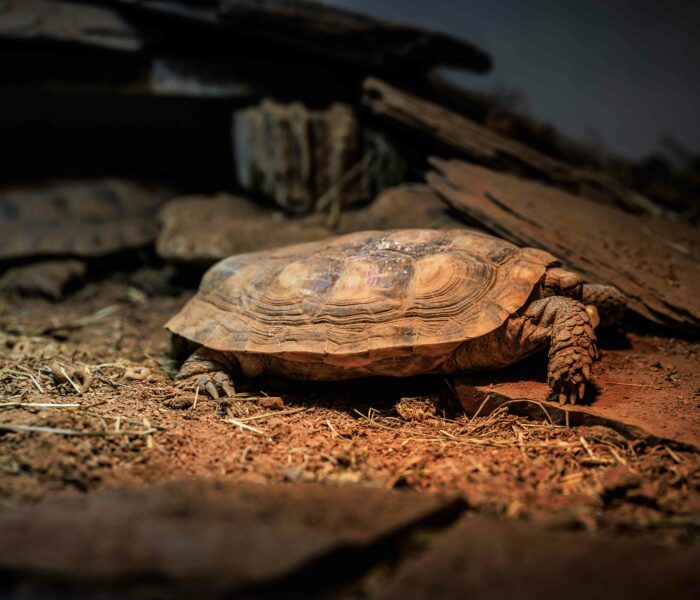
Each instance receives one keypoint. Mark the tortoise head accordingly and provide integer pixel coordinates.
(560, 282)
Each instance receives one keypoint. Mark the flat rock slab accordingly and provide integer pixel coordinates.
(67, 22)
(79, 217)
(204, 229)
(655, 262)
(647, 391)
(200, 536)
(480, 558)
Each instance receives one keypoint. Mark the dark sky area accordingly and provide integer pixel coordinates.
(620, 72)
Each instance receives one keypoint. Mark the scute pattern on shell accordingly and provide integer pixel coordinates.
(362, 292)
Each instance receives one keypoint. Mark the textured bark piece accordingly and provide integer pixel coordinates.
(447, 128)
(77, 218)
(652, 261)
(295, 155)
(406, 297)
(42, 20)
(46, 278)
(201, 535)
(480, 558)
(203, 229)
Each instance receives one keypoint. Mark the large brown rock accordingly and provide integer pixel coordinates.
(79, 218)
(203, 229)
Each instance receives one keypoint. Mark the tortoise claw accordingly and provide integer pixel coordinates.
(225, 383)
(210, 388)
(215, 385)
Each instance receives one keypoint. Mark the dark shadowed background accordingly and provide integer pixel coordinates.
(621, 73)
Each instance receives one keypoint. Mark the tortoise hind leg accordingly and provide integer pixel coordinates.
(207, 372)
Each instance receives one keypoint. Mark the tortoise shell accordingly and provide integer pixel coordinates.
(362, 292)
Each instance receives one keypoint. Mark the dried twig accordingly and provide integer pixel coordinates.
(37, 405)
(242, 425)
(71, 432)
(25, 373)
(95, 317)
(278, 413)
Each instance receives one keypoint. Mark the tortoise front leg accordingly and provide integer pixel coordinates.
(567, 325)
(206, 371)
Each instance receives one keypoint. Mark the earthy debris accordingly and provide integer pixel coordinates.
(79, 378)
(652, 261)
(272, 403)
(416, 409)
(334, 433)
(137, 373)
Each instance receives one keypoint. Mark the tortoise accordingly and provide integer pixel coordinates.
(390, 303)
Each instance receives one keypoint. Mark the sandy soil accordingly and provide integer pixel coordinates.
(133, 426)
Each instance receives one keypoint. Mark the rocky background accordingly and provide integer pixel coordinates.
(148, 140)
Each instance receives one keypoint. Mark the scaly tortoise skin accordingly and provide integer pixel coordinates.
(392, 303)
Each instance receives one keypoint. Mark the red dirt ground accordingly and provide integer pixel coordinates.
(413, 433)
